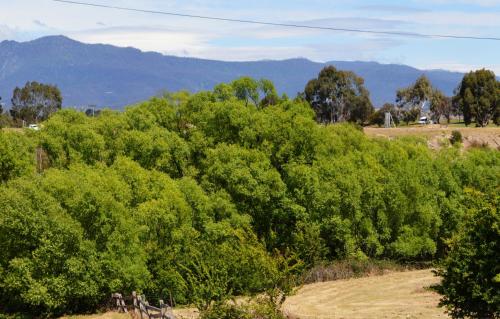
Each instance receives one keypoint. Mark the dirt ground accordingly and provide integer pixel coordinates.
(395, 295)
(436, 133)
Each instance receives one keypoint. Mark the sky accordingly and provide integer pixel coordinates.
(24, 20)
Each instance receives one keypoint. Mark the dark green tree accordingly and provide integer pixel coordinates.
(35, 101)
(478, 97)
(410, 115)
(337, 96)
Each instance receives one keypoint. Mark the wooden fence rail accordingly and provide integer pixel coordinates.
(142, 309)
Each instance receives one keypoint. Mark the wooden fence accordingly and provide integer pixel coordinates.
(142, 309)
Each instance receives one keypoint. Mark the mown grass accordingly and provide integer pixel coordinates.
(394, 295)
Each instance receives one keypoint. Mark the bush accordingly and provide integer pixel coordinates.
(456, 137)
(471, 272)
(261, 308)
(224, 310)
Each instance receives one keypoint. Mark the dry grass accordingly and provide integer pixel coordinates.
(186, 313)
(107, 315)
(472, 136)
(394, 295)
(12, 129)
(181, 313)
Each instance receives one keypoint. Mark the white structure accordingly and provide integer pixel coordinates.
(389, 121)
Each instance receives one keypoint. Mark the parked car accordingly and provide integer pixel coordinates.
(424, 120)
(34, 127)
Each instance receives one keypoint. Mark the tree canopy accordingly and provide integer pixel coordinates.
(35, 102)
(338, 96)
(478, 97)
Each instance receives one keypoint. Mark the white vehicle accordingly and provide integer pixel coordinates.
(424, 120)
(34, 127)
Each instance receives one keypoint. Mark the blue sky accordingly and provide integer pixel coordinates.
(23, 20)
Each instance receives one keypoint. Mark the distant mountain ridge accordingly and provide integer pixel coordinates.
(105, 75)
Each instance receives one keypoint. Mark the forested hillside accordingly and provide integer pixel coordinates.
(202, 196)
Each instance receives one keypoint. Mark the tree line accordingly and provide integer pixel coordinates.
(476, 99)
(335, 96)
(200, 197)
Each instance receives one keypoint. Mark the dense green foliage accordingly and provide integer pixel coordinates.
(471, 272)
(204, 196)
(16, 155)
(478, 97)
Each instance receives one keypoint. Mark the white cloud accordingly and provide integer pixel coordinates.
(145, 38)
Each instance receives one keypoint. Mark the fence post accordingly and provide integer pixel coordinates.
(136, 304)
(162, 310)
(124, 306)
(139, 300)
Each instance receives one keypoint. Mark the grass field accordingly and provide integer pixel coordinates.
(395, 295)
(435, 133)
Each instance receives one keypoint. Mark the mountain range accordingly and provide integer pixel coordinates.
(106, 75)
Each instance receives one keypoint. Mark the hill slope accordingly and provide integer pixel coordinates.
(106, 75)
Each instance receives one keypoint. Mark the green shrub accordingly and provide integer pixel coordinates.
(456, 137)
(224, 310)
(471, 272)
(261, 308)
